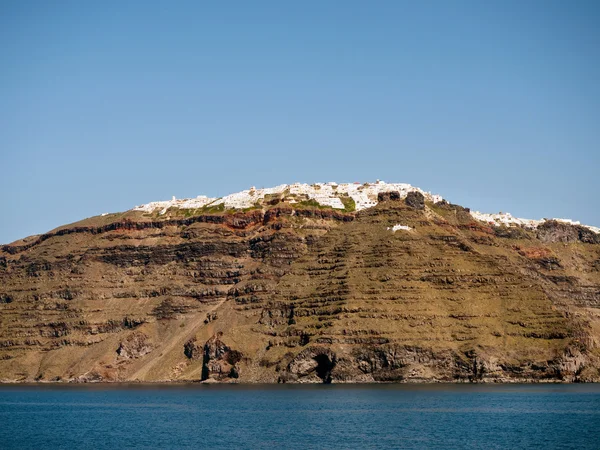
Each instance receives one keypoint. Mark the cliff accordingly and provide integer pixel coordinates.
(386, 283)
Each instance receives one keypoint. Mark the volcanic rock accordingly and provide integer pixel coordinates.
(303, 284)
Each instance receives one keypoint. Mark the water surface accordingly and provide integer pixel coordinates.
(286, 416)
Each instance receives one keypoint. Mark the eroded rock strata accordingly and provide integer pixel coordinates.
(302, 293)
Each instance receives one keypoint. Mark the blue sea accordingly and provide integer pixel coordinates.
(300, 417)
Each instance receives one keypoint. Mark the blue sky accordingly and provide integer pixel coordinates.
(106, 105)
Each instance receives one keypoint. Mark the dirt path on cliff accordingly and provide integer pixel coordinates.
(178, 340)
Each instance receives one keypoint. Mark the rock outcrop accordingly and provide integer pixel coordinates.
(415, 200)
(135, 346)
(555, 231)
(314, 364)
(219, 361)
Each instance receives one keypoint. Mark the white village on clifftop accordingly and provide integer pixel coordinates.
(330, 194)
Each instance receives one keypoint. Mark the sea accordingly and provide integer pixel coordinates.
(382, 416)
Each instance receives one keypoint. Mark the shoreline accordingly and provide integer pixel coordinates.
(527, 382)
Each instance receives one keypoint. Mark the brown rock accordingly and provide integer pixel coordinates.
(388, 196)
(135, 346)
(415, 200)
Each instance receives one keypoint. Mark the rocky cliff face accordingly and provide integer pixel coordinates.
(298, 292)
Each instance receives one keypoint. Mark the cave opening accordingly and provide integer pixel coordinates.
(324, 367)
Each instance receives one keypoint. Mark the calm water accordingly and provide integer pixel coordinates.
(374, 416)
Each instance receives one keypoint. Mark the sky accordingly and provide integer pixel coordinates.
(106, 105)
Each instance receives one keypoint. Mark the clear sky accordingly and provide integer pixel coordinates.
(109, 104)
